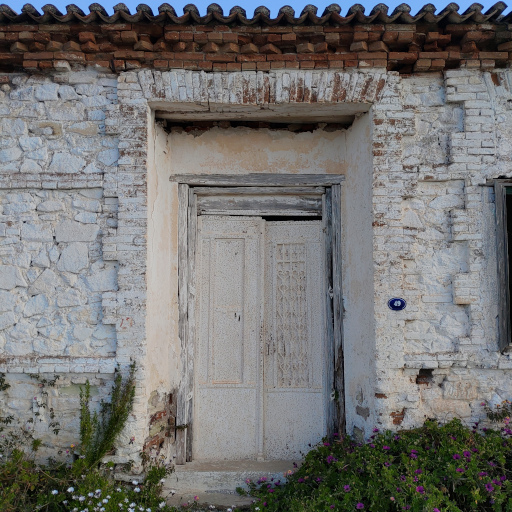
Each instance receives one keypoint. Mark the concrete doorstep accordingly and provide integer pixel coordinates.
(212, 485)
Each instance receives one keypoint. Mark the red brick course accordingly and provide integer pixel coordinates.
(403, 48)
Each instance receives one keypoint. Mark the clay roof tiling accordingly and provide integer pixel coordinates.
(286, 16)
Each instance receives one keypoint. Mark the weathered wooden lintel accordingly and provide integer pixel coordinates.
(259, 180)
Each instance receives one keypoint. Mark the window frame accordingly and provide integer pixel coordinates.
(504, 306)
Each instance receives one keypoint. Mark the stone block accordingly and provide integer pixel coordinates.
(11, 277)
(71, 231)
(74, 258)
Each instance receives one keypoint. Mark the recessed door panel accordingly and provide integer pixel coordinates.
(260, 338)
(294, 338)
(228, 346)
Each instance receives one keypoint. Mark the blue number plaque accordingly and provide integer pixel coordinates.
(397, 304)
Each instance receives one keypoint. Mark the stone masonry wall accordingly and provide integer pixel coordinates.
(73, 224)
(440, 356)
(56, 285)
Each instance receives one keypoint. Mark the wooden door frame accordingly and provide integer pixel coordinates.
(187, 234)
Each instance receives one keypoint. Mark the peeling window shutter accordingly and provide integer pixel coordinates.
(503, 264)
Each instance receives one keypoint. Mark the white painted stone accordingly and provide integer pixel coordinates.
(410, 219)
(71, 231)
(86, 218)
(90, 205)
(74, 258)
(11, 277)
(14, 127)
(66, 92)
(109, 156)
(35, 306)
(82, 333)
(6, 320)
(50, 206)
(41, 260)
(103, 332)
(38, 154)
(53, 254)
(66, 163)
(447, 201)
(10, 154)
(7, 301)
(46, 92)
(69, 298)
(30, 143)
(37, 232)
(30, 167)
(102, 281)
(45, 283)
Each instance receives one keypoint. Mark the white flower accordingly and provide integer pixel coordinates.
(91, 494)
(81, 498)
(108, 497)
(132, 505)
(98, 491)
(71, 489)
(54, 492)
(118, 489)
(137, 489)
(162, 480)
(102, 509)
(105, 500)
(65, 502)
(148, 510)
(162, 504)
(135, 482)
(229, 510)
(173, 492)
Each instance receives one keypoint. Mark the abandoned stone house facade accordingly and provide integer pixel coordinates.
(232, 202)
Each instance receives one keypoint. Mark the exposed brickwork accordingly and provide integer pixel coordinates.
(216, 47)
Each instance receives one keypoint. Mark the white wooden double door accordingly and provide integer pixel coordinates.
(260, 346)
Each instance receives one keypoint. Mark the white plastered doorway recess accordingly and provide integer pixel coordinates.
(280, 196)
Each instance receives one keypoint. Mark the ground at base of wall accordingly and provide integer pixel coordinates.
(208, 501)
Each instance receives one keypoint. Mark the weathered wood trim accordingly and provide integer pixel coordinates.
(257, 204)
(183, 324)
(504, 327)
(283, 191)
(329, 326)
(338, 308)
(192, 243)
(259, 180)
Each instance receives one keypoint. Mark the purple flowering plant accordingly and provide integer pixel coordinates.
(435, 467)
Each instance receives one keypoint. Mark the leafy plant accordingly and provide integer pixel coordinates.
(433, 468)
(84, 484)
(98, 432)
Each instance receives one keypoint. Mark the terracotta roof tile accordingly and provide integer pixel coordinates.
(332, 15)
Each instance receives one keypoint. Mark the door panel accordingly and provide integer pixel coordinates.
(227, 394)
(294, 337)
(260, 338)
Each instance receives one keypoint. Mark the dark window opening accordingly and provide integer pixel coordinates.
(503, 200)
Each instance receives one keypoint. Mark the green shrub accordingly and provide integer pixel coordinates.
(84, 484)
(434, 468)
(98, 432)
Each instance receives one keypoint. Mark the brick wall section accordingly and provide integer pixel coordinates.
(218, 47)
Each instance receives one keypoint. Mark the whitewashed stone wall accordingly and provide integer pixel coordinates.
(447, 246)
(55, 283)
(74, 157)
